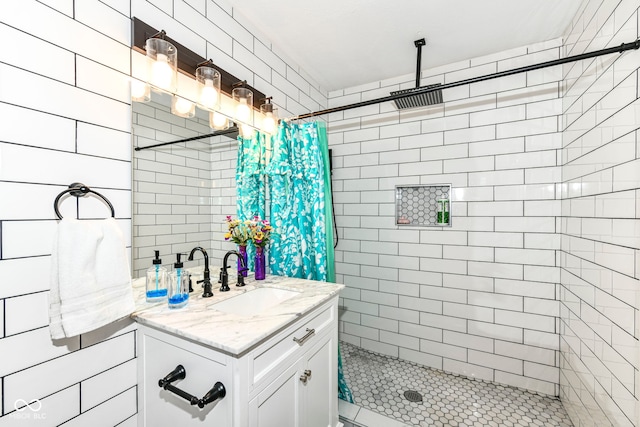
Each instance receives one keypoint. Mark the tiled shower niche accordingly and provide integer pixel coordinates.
(417, 205)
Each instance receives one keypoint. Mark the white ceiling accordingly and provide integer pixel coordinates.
(344, 43)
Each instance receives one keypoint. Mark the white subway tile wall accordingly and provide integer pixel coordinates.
(600, 217)
(66, 118)
(64, 129)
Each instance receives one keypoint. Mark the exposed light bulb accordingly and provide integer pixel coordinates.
(161, 72)
(246, 131)
(243, 111)
(269, 124)
(139, 90)
(183, 106)
(218, 121)
(209, 94)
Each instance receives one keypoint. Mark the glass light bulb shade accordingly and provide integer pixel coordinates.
(246, 131)
(164, 67)
(182, 107)
(244, 107)
(218, 121)
(140, 91)
(270, 118)
(209, 87)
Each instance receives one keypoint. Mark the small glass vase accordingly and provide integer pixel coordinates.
(260, 264)
(243, 270)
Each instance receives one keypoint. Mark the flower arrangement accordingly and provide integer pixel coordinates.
(260, 231)
(256, 230)
(238, 231)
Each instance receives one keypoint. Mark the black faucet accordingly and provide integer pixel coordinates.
(206, 282)
(224, 276)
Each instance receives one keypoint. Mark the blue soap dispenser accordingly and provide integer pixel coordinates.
(178, 285)
(156, 280)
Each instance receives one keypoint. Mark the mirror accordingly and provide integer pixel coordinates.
(181, 192)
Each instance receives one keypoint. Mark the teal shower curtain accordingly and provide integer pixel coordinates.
(250, 182)
(300, 203)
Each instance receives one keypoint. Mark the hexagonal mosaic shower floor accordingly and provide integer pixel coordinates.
(379, 383)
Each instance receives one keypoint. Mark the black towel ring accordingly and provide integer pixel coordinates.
(80, 190)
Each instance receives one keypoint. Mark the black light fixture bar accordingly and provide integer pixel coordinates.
(188, 60)
(619, 49)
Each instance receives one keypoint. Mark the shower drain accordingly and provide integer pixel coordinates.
(413, 396)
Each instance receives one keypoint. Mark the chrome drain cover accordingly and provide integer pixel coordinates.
(413, 396)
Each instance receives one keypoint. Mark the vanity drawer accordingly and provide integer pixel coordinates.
(287, 346)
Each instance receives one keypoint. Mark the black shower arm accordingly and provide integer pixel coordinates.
(619, 49)
(419, 44)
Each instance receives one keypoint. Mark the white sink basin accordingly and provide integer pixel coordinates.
(254, 302)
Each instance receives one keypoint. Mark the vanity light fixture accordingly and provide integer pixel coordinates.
(270, 116)
(208, 79)
(163, 73)
(202, 84)
(182, 107)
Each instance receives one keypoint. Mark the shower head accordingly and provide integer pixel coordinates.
(419, 99)
(424, 98)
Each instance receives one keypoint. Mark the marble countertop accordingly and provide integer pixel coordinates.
(232, 333)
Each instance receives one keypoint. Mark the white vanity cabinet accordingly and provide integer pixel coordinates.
(289, 379)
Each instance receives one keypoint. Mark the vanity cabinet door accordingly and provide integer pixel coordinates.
(305, 394)
(278, 404)
(319, 389)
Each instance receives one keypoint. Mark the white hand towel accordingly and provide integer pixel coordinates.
(90, 279)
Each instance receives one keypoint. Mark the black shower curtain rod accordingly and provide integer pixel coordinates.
(426, 89)
(619, 49)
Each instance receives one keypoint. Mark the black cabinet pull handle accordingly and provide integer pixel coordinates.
(179, 373)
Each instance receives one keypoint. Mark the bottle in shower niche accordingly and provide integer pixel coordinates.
(443, 212)
(156, 280)
(178, 285)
